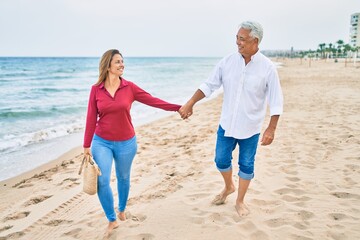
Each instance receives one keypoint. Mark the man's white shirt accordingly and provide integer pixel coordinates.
(248, 89)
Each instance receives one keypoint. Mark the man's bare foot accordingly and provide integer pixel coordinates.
(110, 228)
(242, 209)
(220, 198)
(122, 216)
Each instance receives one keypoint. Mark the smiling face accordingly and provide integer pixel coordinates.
(247, 45)
(117, 65)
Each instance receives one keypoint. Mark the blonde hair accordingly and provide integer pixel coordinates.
(105, 64)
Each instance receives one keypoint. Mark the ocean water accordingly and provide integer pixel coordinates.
(43, 101)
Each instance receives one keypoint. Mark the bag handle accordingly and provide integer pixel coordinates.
(88, 158)
(82, 164)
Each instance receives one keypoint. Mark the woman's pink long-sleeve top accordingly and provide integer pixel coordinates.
(109, 117)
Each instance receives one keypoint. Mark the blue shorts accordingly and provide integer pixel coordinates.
(247, 150)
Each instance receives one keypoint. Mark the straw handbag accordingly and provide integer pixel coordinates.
(91, 173)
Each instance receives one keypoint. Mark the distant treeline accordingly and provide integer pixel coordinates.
(331, 50)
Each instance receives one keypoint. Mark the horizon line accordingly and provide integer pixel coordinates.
(73, 56)
(69, 56)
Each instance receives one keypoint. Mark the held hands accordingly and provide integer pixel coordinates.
(186, 110)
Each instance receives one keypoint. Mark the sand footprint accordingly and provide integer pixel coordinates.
(57, 222)
(350, 181)
(352, 167)
(5, 228)
(135, 220)
(68, 180)
(283, 191)
(73, 233)
(199, 217)
(305, 215)
(249, 225)
(261, 202)
(300, 226)
(26, 185)
(300, 237)
(17, 216)
(291, 198)
(194, 199)
(22, 184)
(266, 206)
(293, 179)
(276, 222)
(199, 212)
(142, 236)
(219, 217)
(37, 200)
(345, 195)
(287, 170)
(337, 216)
(198, 220)
(259, 235)
(15, 235)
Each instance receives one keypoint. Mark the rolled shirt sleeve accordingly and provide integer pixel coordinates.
(213, 82)
(274, 93)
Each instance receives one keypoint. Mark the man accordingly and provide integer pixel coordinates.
(250, 82)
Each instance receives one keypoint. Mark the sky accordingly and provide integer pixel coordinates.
(142, 28)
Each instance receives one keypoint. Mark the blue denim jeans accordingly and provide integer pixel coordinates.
(247, 150)
(123, 153)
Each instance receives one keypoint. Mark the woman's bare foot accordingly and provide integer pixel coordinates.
(122, 216)
(110, 228)
(242, 209)
(220, 198)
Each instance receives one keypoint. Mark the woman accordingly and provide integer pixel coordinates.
(110, 133)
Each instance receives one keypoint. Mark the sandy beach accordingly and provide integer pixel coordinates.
(306, 185)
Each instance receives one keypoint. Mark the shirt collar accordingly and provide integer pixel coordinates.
(123, 83)
(254, 57)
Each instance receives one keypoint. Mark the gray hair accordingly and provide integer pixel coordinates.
(256, 30)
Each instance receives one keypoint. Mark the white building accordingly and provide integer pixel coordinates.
(355, 30)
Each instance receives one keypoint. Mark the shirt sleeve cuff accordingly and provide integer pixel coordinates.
(276, 111)
(205, 89)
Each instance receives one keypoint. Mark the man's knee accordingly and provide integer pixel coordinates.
(223, 165)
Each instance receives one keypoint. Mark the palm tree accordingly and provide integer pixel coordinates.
(346, 49)
(322, 49)
(340, 46)
(330, 49)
